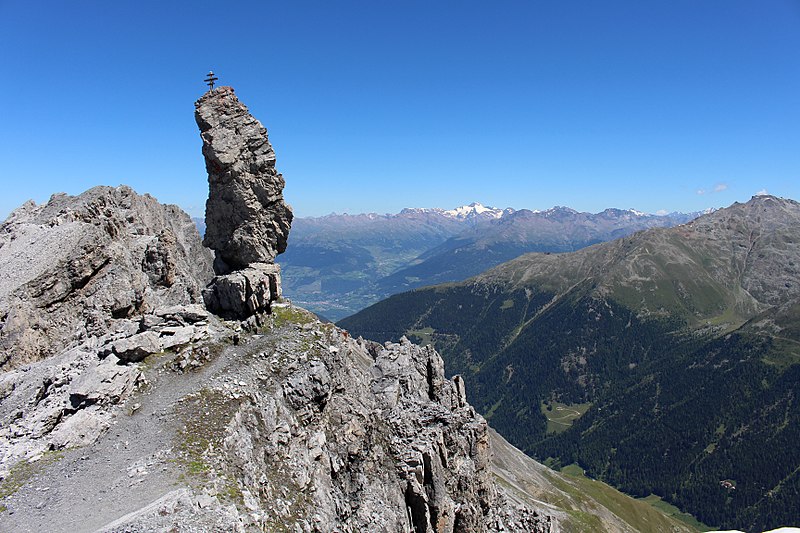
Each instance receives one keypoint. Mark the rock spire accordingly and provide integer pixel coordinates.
(247, 220)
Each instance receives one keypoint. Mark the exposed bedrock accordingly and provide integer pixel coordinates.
(75, 267)
(247, 221)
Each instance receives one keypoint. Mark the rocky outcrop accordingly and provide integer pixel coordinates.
(312, 431)
(247, 221)
(244, 293)
(83, 266)
(88, 283)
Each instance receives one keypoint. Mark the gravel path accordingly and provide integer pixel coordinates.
(131, 466)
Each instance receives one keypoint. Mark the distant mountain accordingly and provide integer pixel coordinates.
(331, 261)
(338, 264)
(465, 212)
(666, 362)
(200, 222)
(485, 245)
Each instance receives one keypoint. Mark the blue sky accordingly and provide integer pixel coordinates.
(376, 106)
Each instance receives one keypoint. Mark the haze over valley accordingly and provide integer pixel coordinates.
(339, 264)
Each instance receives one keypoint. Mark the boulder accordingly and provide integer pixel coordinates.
(137, 347)
(244, 292)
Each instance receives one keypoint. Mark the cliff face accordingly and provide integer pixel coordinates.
(332, 434)
(76, 267)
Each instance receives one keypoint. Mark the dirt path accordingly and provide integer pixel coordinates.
(131, 466)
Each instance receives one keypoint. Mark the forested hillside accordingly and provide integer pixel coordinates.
(666, 362)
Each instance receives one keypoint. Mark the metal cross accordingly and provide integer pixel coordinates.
(210, 80)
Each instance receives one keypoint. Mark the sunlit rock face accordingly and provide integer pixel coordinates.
(78, 266)
(247, 220)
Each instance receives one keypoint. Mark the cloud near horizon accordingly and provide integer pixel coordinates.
(719, 187)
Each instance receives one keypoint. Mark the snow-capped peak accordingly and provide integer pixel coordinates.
(475, 209)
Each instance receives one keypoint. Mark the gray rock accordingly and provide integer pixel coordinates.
(245, 292)
(172, 336)
(73, 268)
(247, 220)
(308, 386)
(105, 383)
(137, 347)
(81, 429)
(186, 314)
(63, 401)
(364, 437)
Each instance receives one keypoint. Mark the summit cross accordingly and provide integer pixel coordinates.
(210, 80)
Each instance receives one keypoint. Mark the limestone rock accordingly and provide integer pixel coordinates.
(105, 383)
(348, 435)
(81, 429)
(137, 347)
(73, 268)
(67, 400)
(244, 292)
(247, 220)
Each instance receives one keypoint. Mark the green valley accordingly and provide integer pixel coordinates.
(668, 359)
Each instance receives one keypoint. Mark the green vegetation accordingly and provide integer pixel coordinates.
(671, 510)
(685, 428)
(660, 390)
(507, 304)
(421, 336)
(784, 353)
(583, 489)
(287, 315)
(24, 471)
(561, 416)
(205, 416)
(692, 383)
(729, 318)
(572, 470)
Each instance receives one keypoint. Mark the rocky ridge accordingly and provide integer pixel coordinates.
(168, 417)
(299, 427)
(81, 268)
(741, 260)
(247, 221)
(90, 282)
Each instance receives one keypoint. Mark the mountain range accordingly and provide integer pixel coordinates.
(338, 264)
(665, 362)
(125, 405)
(151, 381)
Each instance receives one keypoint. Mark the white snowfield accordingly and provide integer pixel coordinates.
(474, 209)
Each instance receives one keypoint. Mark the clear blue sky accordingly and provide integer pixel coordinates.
(375, 106)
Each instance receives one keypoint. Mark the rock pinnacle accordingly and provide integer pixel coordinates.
(247, 221)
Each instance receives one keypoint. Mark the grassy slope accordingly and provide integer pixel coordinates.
(582, 504)
(569, 327)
